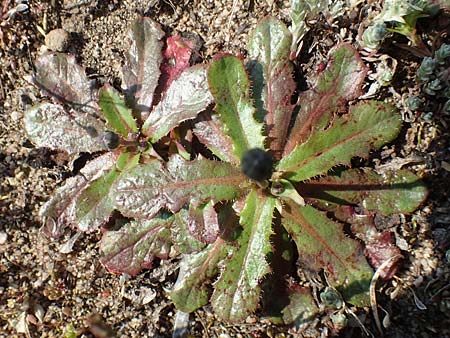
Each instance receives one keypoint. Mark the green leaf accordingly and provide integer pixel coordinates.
(368, 125)
(58, 211)
(393, 192)
(145, 189)
(237, 291)
(322, 244)
(60, 76)
(94, 205)
(301, 309)
(329, 92)
(230, 88)
(190, 290)
(187, 96)
(141, 71)
(134, 246)
(50, 125)
(118, 115)
(182, 239)
(273, 84)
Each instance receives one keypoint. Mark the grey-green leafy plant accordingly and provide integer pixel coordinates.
(159, 97)
(255, 199)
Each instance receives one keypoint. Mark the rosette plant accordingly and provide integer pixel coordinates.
(161, 91)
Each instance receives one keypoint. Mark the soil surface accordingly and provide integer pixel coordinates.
(46, 293)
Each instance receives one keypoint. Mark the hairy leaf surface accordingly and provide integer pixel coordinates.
(141, 71)
(144, 190)
(117, 114)
(393, 192)
(50, 125)
(322, 244)
(134, 246)
(368, 125)
(57, 213)
(273, 84)
(184, 99)
(329, 92)
(60, 76)
(237, 292)
(230, 88)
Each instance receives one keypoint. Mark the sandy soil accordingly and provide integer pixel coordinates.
(43, 292)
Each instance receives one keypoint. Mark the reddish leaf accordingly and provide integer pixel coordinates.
(203, 223)
(339, 83)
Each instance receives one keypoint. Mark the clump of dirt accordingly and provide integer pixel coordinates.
(47, 286)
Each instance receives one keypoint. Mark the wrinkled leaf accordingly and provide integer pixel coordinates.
(368, 125)
(50, 125)
(141, 71)
(134, 246)
(230, 87)
(301, 310)
(190, 290)
(60, 76)
(117, 114)
(184, 99)
(273, 84)
(57, 213)
(322, 244)
(144, 190)
(203, 222)
(237, 292)
(339, 83)
(182, 239)
(176, 58)
(393, 192)
(209, 130)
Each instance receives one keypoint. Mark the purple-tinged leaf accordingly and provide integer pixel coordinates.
(94, 205)
(230, 87)
(301, 310)
(392, 192)
(117, 114)
(237, 291)
(210, 131)
(203, 222)
(50, 125)
(182, 239)
(367, 126)
(187, 96)
(273, 84)
(339, 83)
(134, 246)
(141, 71)
(191, 291)
(322, 244)
(144, 190)
(57, 213)
(176, 58)
(60, 76)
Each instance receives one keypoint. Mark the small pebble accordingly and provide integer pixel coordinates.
(57, 40)
(3, 237)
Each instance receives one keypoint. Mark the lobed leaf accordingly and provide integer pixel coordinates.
(141, 71)
(210, 131)
(134, 246)
(184, 99)
(322, 244)
(190, 291)
(50, 125)
(368, 125)
(145, 189)
(273, 85)
(390, 193)
(329, 93)
(230, 88)
(60, 76)
(117, 114)
(58, 212)
(237, 292)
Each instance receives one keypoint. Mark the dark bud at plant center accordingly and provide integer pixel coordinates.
(257, 164)
(111, 139)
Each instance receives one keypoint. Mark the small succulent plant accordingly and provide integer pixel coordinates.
(253, 196)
